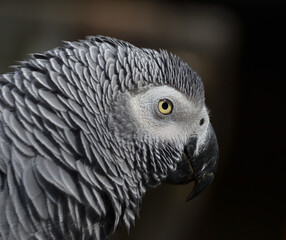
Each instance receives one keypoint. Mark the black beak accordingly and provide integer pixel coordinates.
(198, 164)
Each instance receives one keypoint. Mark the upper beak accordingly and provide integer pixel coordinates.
(199, 163)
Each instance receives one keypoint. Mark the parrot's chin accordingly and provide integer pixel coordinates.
(198, 164)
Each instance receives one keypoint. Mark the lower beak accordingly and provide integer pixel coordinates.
(198, 164)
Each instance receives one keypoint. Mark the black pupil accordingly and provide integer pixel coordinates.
(202, 121)
(165, 105)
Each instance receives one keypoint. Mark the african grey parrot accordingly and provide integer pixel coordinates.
(87, 127)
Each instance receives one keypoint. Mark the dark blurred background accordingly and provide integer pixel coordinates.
(238, 48)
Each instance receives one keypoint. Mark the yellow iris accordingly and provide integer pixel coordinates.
(165, 106)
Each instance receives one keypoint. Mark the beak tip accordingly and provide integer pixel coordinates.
(200, 185)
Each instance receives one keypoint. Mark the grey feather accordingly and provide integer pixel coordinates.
(35, 193)
(53, 118)
(52, 100)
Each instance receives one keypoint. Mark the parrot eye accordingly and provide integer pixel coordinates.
(202, 121)
(165, 106)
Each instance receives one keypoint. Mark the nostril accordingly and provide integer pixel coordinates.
(202, 121)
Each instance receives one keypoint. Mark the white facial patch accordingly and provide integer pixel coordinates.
(179, 125)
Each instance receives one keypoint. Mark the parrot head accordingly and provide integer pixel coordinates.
(161, 116)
